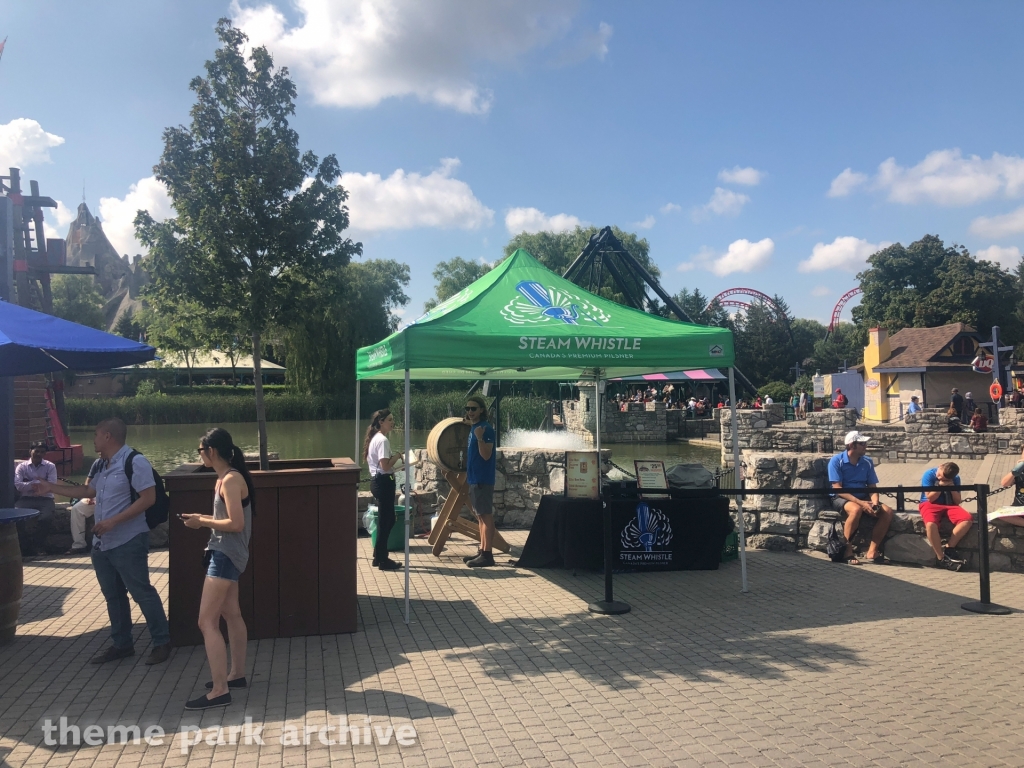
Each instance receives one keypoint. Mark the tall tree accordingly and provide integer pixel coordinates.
(452, 276)
(557, 250)
(352, 307)
(701, 309)
(258, 222)
(927, 284)
(764, 349)
(76, 298)
(844, 347)
(181, 332)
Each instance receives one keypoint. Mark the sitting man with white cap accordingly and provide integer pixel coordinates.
(852, 469)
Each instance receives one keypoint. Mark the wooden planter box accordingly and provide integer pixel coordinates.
(301, 575)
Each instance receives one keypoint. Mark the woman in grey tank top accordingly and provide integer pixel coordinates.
(227, 554)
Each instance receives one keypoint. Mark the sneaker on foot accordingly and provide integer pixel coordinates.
(483, 560)
(950, 563)
(389, 565)
(112, 654)
(467, 558)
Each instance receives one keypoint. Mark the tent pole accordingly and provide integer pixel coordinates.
(358, 449)
(736, 474)
(609, 606)
(409, 474)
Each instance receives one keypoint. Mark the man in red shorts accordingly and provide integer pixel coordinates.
(944, 500)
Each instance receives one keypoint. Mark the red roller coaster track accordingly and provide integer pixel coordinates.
(724, 300)
(838, 310)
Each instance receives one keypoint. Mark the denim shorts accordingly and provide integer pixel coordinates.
(221, 567)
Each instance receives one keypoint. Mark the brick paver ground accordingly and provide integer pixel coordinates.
(818, 665)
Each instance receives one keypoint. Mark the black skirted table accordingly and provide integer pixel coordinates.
(649, 534)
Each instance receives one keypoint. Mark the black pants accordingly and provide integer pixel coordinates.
(383, 488)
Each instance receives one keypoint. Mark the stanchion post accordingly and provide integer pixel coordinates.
(901, 501)
(985, 605)
(609, 606)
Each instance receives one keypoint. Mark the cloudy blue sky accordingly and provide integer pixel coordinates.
(754, 144)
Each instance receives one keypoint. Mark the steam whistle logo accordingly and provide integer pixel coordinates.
(537, 304)
(650, 529)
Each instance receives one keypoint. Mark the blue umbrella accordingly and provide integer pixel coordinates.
(33, 342)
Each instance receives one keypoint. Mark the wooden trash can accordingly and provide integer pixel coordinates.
(301, 575)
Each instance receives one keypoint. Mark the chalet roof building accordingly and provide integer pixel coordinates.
(927, 362)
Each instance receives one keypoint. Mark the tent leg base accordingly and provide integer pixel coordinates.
(991, 609)
(609, 607)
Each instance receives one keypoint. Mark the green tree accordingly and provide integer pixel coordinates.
(927, 284)
(258, 222)
(557, 250)
(76, 298)
(352, 308)
(806, 334)
(845, 346)
(778, 391)
(764, 349)
(452, 276)
(701, 309)
(179, 334)
(130, 326)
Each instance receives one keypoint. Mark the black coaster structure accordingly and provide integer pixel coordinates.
(605, 253)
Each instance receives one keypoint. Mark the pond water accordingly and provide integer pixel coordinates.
(169, 445)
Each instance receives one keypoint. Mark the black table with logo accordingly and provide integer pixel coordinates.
(678, 534)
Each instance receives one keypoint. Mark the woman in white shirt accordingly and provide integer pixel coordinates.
(377, 455)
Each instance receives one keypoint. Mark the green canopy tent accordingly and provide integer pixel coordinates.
(523, 321)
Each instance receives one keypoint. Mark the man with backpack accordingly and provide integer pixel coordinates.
(125, 488)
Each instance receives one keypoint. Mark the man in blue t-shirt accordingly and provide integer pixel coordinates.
(945, 501)
(480, 473)
(853, 469)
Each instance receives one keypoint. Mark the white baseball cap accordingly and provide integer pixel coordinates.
(855, 437)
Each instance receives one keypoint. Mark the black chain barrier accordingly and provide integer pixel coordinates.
(982, 494)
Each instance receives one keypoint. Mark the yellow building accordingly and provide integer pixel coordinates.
(877, 384)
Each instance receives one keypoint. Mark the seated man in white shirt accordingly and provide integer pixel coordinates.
(80, 510)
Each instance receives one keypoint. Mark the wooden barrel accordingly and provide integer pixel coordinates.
(446, 444)
(11, 580)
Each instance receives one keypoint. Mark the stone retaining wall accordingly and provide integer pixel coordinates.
(53, 537)
(780, 522)
(921, 437)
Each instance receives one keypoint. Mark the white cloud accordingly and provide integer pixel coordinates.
(57, 220)
(356, 53)
(671, 208)
(1007, 258)
(118, 214)
(647, 223)
(723, 202)
(531, 220)
(998, 227)
(749, 177)
(849, 254)
(23, 142)
(944, 177)
(821, 290)
(846, 182)
(742, 256)
(409, 200)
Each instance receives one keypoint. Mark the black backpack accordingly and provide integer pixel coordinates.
(835, 543)
(158, 512)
